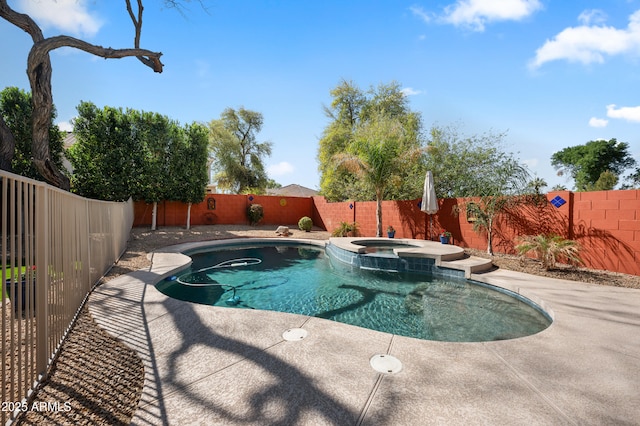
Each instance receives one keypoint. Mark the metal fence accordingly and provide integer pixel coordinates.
(54, 247)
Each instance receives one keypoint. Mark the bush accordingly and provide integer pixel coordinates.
(548, 248)
(305, 224)
(255, 213)
(346, 229)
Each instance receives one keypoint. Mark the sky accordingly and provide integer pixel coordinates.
(550, 73)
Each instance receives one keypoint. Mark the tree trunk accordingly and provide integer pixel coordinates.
(379, 214)
(39, 72)
(188, 216)
(490, 236)
(154, 215)
(7, 146)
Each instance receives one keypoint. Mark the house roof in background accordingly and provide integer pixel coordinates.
(293, 190)
(69, 139)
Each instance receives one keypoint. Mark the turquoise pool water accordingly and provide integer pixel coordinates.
(306, 280)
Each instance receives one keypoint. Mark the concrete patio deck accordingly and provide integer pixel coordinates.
(227, 366)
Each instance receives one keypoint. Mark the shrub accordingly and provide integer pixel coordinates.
(345, 229)
(549, 248)
(305, 224)
(255, 213)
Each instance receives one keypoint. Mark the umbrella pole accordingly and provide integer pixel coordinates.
(430, 227)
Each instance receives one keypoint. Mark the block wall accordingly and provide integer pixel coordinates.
(284, 210)
(605, 223)
(226, 209)
(329, 215)
(537, 216)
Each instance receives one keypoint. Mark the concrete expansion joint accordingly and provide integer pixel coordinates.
(367, 404)
(530, 385)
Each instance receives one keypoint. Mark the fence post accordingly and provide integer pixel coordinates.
(42, 279)
(89, 265)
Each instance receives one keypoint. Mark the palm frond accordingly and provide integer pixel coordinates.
(549, 249)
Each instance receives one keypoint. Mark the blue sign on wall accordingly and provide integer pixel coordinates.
(557, 201)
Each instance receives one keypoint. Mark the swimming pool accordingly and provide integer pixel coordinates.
(306, 280)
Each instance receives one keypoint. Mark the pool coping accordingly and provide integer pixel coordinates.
(420, 248)
(583, 369)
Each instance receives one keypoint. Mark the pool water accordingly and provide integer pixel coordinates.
(305, 280)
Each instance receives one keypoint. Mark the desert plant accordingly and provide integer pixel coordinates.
(354, 229)
(548, 248)
(345, 229)
(305, 224)
(255, 213)
(341, 230)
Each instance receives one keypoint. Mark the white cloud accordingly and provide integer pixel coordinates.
(410, 91)
(592, 16)
(590, 43)
(420, 13)
(476, 13)
(65, 126)
(625, 113)
(65, 15)
(280, 169)
(598, 122)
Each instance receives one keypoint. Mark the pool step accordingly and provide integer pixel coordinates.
(470, 265)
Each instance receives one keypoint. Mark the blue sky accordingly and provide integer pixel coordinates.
(550, 73)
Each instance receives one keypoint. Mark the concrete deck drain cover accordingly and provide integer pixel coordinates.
(294, 334)
(385, 363)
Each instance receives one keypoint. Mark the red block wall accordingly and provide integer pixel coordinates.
(284, 210)
(536, 217)
(605, 223)
(329, 215)
(225, 209)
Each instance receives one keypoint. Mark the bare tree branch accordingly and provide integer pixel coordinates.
(21, 21)
(41, 49)
(39, 72)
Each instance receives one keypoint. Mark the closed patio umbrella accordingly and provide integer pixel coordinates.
(429, 200)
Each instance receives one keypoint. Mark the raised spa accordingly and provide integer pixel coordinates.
(309, 280)
(381, 246)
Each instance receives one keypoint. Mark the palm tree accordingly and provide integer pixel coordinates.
(549, 248)
(536, 185)
(380, 148)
